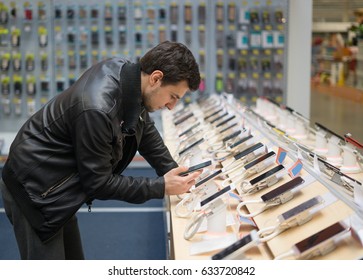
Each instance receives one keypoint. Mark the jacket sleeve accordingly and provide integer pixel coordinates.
(93, 140)
(153, 149)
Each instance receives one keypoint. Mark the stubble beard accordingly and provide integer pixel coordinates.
(146, 102)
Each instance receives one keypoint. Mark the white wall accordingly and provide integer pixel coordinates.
(299, 56)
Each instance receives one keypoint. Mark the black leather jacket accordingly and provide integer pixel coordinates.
(74, 149)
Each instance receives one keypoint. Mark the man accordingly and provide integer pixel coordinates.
(75, 148)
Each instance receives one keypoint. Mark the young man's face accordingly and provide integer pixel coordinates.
(159, 96)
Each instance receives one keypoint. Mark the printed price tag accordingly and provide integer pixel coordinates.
(281, 155)
(295, 169)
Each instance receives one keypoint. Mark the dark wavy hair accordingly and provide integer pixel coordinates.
(176, 62)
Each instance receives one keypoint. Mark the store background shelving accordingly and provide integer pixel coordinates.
(240, 45)
(335, 18)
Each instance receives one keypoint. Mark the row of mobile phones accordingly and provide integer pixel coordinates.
(304, 247)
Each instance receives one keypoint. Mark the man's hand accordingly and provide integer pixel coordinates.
(176, 184)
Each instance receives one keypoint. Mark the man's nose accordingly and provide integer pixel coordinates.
(171, 104)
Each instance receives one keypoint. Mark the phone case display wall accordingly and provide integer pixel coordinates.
(263, 193)
(249, 48)
(46, 45)
(26, 57)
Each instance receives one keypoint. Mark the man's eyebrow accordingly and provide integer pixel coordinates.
(176, 95)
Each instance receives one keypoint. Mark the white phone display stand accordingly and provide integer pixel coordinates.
(186, 157)
(290, 124)
(216, 222)
(260, 106)
(283, 114)
(196, 158)
(271, 114)
(350, 164)
(334, 151)
(209, 189)
(300, 130)
(320, 143)
(216, 237)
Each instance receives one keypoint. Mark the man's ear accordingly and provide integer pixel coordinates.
(156, 77)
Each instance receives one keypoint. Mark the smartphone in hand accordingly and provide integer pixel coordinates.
(196, 167)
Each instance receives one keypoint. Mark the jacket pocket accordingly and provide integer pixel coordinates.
(57, 186)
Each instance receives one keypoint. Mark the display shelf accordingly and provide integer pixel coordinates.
(342, 208)
(331, 27)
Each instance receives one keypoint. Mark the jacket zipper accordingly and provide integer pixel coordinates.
(89, 204)
(54, 187)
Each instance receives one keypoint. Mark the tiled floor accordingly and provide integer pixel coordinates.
(337, 114)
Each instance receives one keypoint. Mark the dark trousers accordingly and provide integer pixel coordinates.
(65, 245)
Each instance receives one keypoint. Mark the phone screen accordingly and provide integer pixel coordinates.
(231, 136)
(213, 114)
(180, 112)
(189, 129)
(206, 179)
(266, 174)
(186, 148)
(183, 119)
(248, 151)
(233, 247)
(214, 196)
(228, 127)
(225, 121)
(241, 141)
(301, 208)
(196, 167)
(283, 188)
(258, 160)
(319, 237)
(219, 117)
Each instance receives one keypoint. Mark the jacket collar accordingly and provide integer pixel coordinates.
(131, 97)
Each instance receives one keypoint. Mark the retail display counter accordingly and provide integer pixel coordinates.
(339, 202)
